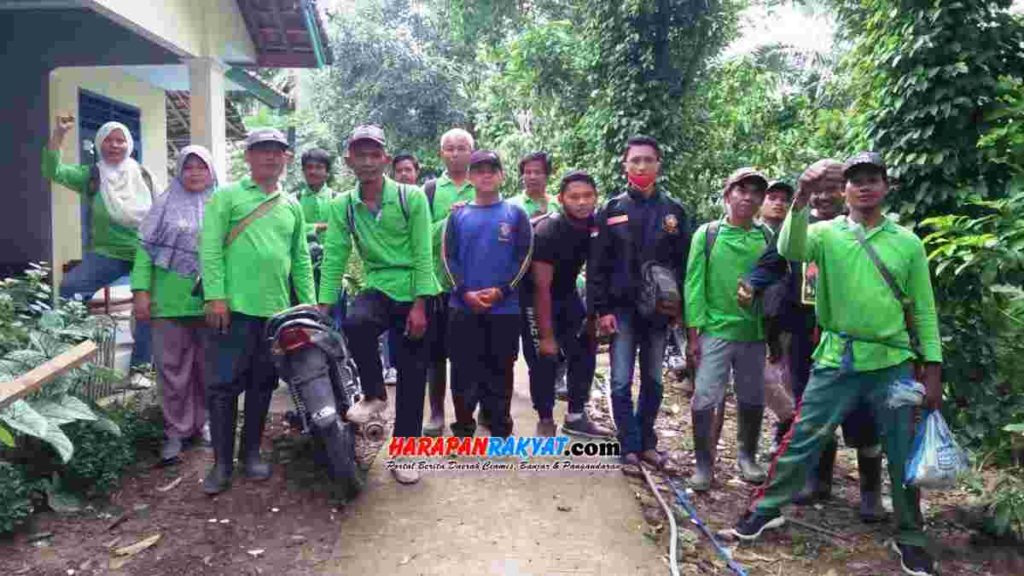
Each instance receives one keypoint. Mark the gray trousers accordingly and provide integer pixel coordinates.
(721, 358)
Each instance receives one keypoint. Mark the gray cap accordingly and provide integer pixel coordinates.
(367, 132)
(873, 159)
(259, 135)
(746, 173)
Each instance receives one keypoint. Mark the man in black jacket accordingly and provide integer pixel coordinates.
(641, 225)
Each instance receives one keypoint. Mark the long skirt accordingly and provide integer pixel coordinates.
(178, 354)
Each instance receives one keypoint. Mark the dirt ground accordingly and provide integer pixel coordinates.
(508, 523)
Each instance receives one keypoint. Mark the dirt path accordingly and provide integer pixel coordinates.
(451, 522)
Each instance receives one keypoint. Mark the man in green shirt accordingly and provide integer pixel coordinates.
(453, 187)
(406, 169)
(389, 225)
(865, 346)
(723, 338)
(315, 195)
(245, 273)
(535, 170)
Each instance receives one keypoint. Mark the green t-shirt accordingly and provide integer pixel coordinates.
(170, 292)
(711, 283)
(852, 299)
(395, 246)
(106, 237)
(532, 207)
(446, 194)
(252, 274)
(314, 206)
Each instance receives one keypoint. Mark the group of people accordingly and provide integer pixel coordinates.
(454, 273)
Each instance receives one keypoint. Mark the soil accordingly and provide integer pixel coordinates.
(599, 522)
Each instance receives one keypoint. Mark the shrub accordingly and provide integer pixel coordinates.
(100, 457)
(15, 497)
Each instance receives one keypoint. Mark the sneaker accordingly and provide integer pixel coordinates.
(390, 377)
(364, 410)
(914, 560)
(406, 476)
(752, 524)
(546, 427)
(583, 426)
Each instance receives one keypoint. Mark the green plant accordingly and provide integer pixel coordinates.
(100, 458)
(15, 497)
(1005, 508)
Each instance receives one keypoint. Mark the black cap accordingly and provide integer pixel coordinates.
(260, 135)
(746, 173)
(481, 157)
(780, 185)
(873, 159)
(367, 132)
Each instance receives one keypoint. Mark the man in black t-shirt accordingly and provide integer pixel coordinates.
(555, 315)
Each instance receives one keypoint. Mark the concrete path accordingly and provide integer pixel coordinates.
(507, 523)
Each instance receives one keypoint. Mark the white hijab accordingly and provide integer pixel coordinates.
(124, 190)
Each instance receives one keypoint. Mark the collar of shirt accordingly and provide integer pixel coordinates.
(638, 196)
(388, 195)
(306, 190)
(445, 179)
(249, 184)
(886, 224)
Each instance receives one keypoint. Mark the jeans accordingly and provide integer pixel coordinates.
(369, 315)
(569, 319)
(94, 272)
(636, 428)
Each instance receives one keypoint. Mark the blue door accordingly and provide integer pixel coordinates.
(93, 112)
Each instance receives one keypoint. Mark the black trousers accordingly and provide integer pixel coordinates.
(483, 349)
(568, 319)
(369, 314)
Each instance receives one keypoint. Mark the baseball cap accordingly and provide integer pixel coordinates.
(780, 185)
(481, 157)
(260, 135)
(873, 159)
(746, 173)
(367, 132)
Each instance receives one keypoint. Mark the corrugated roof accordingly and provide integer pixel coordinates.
(282, 33)
(179, 114)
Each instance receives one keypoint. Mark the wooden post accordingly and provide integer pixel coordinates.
(37, 377)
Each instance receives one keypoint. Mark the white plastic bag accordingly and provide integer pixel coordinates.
(905, 392)
(935, 459)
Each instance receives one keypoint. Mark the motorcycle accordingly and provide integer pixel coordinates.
(314, 360)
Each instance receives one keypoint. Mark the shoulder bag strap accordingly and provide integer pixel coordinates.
(260, 211)
(890, 281)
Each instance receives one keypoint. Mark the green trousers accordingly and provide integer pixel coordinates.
(830, 396)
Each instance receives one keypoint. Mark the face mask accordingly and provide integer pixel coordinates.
(641, 181)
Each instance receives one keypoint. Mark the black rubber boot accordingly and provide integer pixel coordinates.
(818, 485)
(870, 470)
(748, 433)
(223, 413)
(257, 402)
(781, 428)
(704, 475)
(464, 430)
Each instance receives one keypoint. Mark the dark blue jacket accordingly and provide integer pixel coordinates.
(629, 231)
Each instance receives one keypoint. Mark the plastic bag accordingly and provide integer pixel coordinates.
(905, 392)
(935, 459)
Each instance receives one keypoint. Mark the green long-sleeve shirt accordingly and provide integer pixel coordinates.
(710, 300)
(446, 194)
(395, 248)
(252, 273)
(170, 292)
(853, 298)
(315, 206)
(532, 207)
(106, 236)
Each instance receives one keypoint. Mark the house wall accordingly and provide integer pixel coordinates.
(63, 97)
(190, 28)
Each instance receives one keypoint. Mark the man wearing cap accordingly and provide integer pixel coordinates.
(639, 229)
(452, 188)
(487, 248)
(389, 225)
(773, 274)
(248, 226)
(723, 338)
(860, 355)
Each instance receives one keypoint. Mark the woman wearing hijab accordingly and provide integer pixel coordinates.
(120, 192)
(166, 267)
